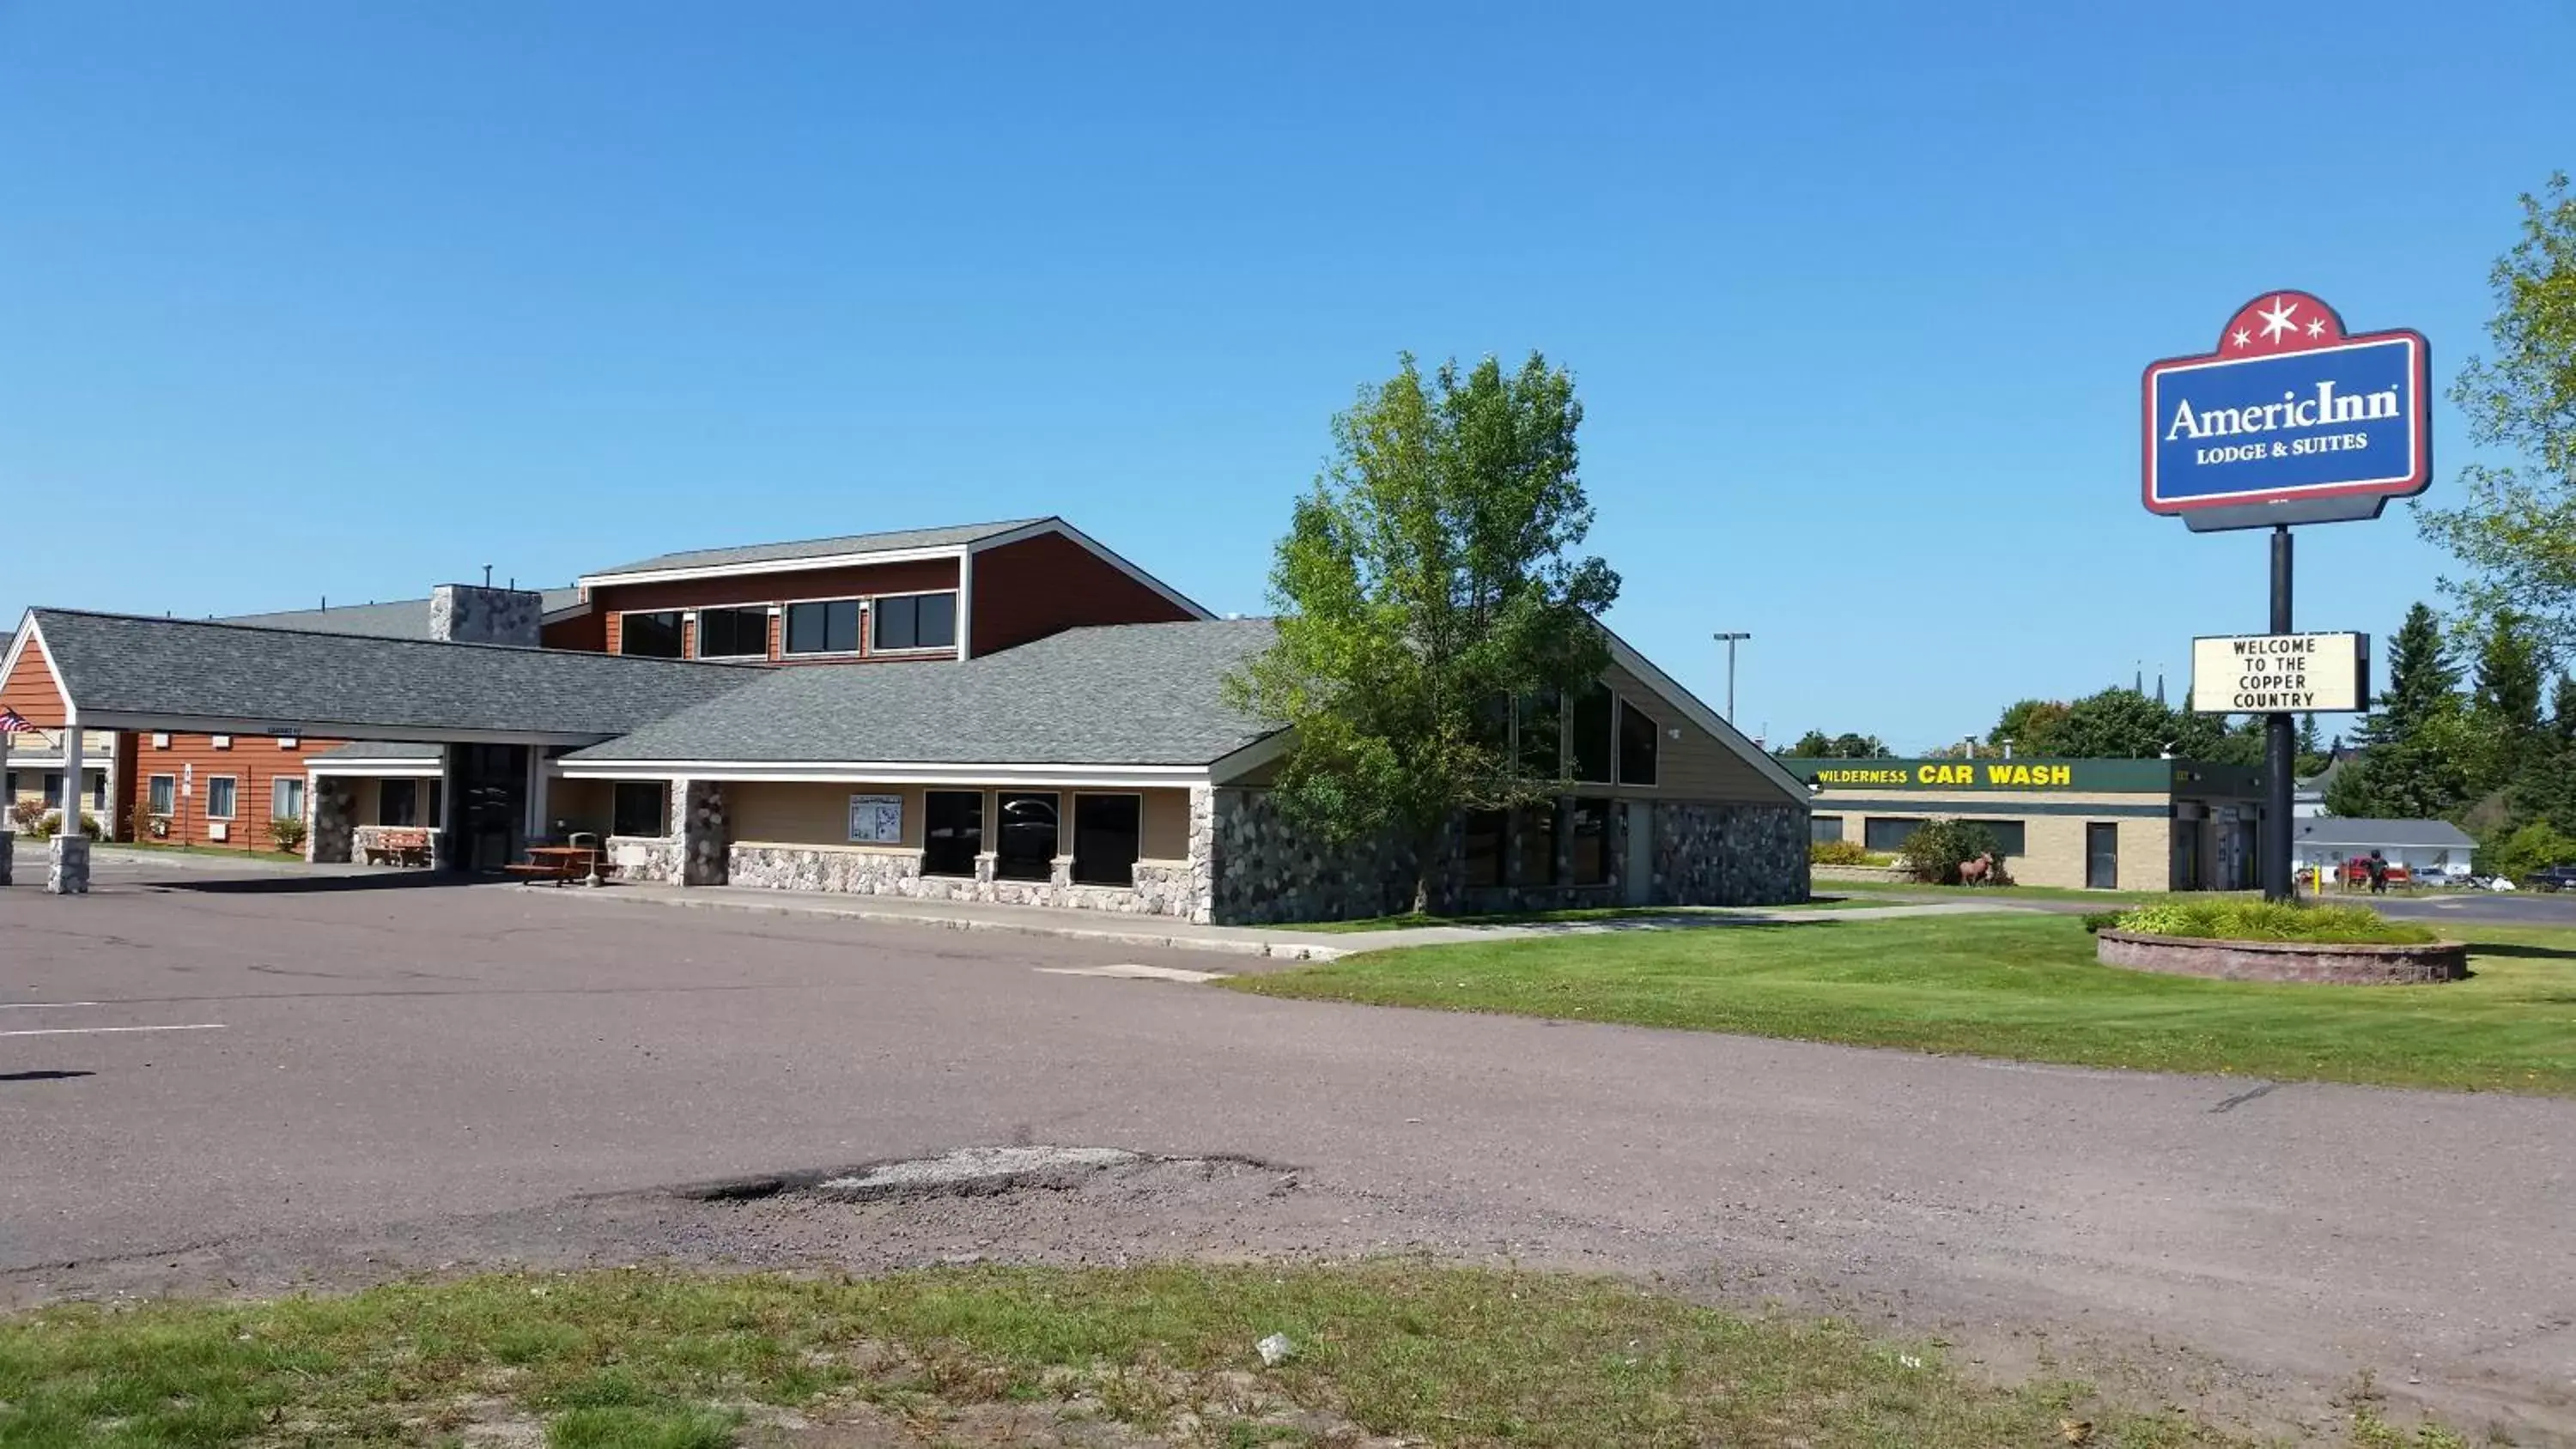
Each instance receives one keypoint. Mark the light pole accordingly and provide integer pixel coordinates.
(1730, 640)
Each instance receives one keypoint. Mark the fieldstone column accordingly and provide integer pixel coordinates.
(67, 868)
(8, 837)
(705, 835)
(8, 857)
(1202, 854)
(331, 831)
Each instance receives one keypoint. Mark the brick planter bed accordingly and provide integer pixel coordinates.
(2300, 961)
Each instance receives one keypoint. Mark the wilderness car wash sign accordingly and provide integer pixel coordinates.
(2290, 420)
(2275, 673)
(1871, 775)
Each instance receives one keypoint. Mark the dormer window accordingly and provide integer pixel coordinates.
(913, 621)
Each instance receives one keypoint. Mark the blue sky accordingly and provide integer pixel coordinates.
(326, 299)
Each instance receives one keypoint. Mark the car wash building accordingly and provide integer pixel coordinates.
(2087, 824)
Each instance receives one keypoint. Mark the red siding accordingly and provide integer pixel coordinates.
(763, 589)
(1048, 584)
(589, 633)
(254, 762)
(30, 691)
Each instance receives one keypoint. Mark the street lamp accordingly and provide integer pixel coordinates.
(1730, 640)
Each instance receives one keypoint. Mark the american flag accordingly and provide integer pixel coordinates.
(14, 723)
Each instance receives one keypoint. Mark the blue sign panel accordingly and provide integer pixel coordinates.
(2290, 420)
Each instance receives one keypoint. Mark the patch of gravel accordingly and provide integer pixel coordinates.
(972, 1170)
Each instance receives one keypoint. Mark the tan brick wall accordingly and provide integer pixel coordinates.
(2053, 845)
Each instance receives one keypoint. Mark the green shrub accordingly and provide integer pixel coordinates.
(30, 814)
(2514, 854)
(2228, 918)
(288, 834)
(1936, 850)
(2095, 921)
(1840, 852)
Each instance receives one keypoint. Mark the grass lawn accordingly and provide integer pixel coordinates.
(2107, 900)
(227, 852)
(644, 1360)
(2023, 986)
(1414, 920)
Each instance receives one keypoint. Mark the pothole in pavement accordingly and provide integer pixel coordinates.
(969, 1172)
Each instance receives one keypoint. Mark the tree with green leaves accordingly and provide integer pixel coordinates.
(1817, 745)
(2418, 746)
(2031, 725)
(2515, 526)
(1431, 577)
(2116, 724)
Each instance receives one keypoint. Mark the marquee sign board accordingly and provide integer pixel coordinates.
(2280, 674)
(2290, 420)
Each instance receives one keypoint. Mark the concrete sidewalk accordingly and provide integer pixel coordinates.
(1163, 932)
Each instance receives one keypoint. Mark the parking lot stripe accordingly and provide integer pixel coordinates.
(103, 1030)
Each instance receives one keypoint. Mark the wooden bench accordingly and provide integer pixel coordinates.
(397, 847)
(563, 863)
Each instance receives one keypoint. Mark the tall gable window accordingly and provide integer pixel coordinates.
(1590, 724)
(1638, 737)
(914, 621)
(733, 633)
(828, 626)
(654, 636)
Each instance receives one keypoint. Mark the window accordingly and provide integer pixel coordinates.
(1824, 827)
(733, 633)
(954, 820)
(1540, 752)
(1105, 833)
(1591, 720)
(1535, 844)
(1888, 832)
(916, 621)
(98, 791)
(435, 814)
(828, 627)
(639, 807)
(654, 635)
(2009, 839)
(1481, 847)
(1591, 844)
(161, 795)
(1638, 737)
(219, 797)
(1028, 829)
(53, 789)
(398, 802)
(286, 798)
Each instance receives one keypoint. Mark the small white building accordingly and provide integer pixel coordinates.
(2428, 849)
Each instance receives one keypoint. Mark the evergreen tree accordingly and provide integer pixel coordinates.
(2418, 747)
(2313, 758)
(2423, 684)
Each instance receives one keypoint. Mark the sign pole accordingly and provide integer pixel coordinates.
(2280, 746)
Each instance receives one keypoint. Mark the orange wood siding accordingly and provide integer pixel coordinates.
(30, 691)
(254, 762)
(760, 590)
(1048, 584)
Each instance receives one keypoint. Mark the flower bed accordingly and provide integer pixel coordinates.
(2328, 963)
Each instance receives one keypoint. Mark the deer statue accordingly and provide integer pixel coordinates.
(1979, 871)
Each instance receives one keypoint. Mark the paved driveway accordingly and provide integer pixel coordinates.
(181, 1067)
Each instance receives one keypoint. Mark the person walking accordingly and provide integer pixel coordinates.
(2378, 874)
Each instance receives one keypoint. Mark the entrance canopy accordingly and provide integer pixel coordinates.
(128, 672)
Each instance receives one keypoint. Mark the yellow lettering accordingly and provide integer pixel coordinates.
(2061, 774)
(1927, 774)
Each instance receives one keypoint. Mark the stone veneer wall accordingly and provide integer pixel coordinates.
(2292, 961)
(703, 831)
(333, 837)
(67, 865)
(1161, 888)
(1729, 855)
(1263, 871)
(479, 614)
(645, 858)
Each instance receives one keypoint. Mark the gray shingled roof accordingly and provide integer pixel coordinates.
(2355, 833)
(1127, 694)
(325, 684)
(396, 619)
(755, 553)
(380, 750)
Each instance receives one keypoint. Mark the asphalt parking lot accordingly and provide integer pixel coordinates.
(192, 1062)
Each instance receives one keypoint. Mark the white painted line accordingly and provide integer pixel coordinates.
(1129, 972)
(44, 1005)
(103, 1030)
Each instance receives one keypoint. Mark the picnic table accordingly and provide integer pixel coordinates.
(564, 863)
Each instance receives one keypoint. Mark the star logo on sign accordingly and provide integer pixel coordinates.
(2242, 338)
(2277, 321)
(2316, 327)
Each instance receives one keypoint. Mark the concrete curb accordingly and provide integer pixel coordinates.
(1274, 950)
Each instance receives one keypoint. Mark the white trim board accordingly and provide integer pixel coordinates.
(894, 772)
(770, 566)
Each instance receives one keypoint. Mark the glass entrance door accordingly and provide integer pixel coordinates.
(2101, 856)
